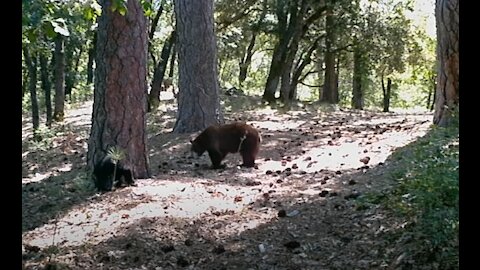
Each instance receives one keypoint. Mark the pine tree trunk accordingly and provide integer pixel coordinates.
(120, 96)
(447, 91)
(198, 98)
(47, 86)
(58, 113)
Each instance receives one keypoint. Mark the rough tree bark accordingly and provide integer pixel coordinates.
(447, 90)
(120, 96)
(58, 112)
(198, 97)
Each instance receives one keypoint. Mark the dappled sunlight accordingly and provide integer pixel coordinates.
(151, 199)
(38, 177)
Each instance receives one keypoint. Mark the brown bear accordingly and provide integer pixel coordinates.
(219, 140)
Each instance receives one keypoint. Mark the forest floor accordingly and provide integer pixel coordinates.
(301, 208)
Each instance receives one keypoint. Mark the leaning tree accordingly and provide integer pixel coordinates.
(120, 93)
(446, 13)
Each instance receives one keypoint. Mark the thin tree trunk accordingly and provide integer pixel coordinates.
(58, 113)
(358, 70)
(447, 91)
(198, 98)
(31, 61)
(151, 33)
(386, 94)
(172, 60)
(159, 73)
(302, 63)
(247, 60)
(71, 71)
(330, 90)
(120, 98)
(47, 87)
(91, 58)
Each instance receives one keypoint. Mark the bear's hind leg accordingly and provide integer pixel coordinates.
(248, 160)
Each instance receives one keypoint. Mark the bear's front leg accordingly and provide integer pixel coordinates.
(216, 159)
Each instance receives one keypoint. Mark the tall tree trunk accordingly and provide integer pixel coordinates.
(31, 61)
(91, 58)
(330, 90)
(386, 94)
(159, 73)
(58, 113)
(447, 91)
(47, 86)
(198, 99)
(120, 96)
(358, 74)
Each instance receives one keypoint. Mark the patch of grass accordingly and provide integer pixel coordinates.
(428, 195)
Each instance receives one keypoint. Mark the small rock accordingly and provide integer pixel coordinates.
(181, 261)
(219, 249)
(282, 213)
(292, 244)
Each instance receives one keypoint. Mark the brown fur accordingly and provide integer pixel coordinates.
(219, 140)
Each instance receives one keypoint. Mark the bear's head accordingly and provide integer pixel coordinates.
(197, 147)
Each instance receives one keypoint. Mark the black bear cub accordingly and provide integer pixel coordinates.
(103, 175)
(219, 140)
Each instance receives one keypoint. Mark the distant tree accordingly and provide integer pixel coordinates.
(198, 97)
(159, 74)
(294, 20)
(46, 86)
(59, 75)
(120, 93)
(359, 74)
(447, 91)
(91, 57)
(330, 85)
(31, 62)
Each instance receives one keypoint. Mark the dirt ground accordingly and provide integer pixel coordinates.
(301, 208)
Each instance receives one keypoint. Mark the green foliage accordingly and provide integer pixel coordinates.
(428, 192)
(46, 136)
(120, 6)
(116, 154)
